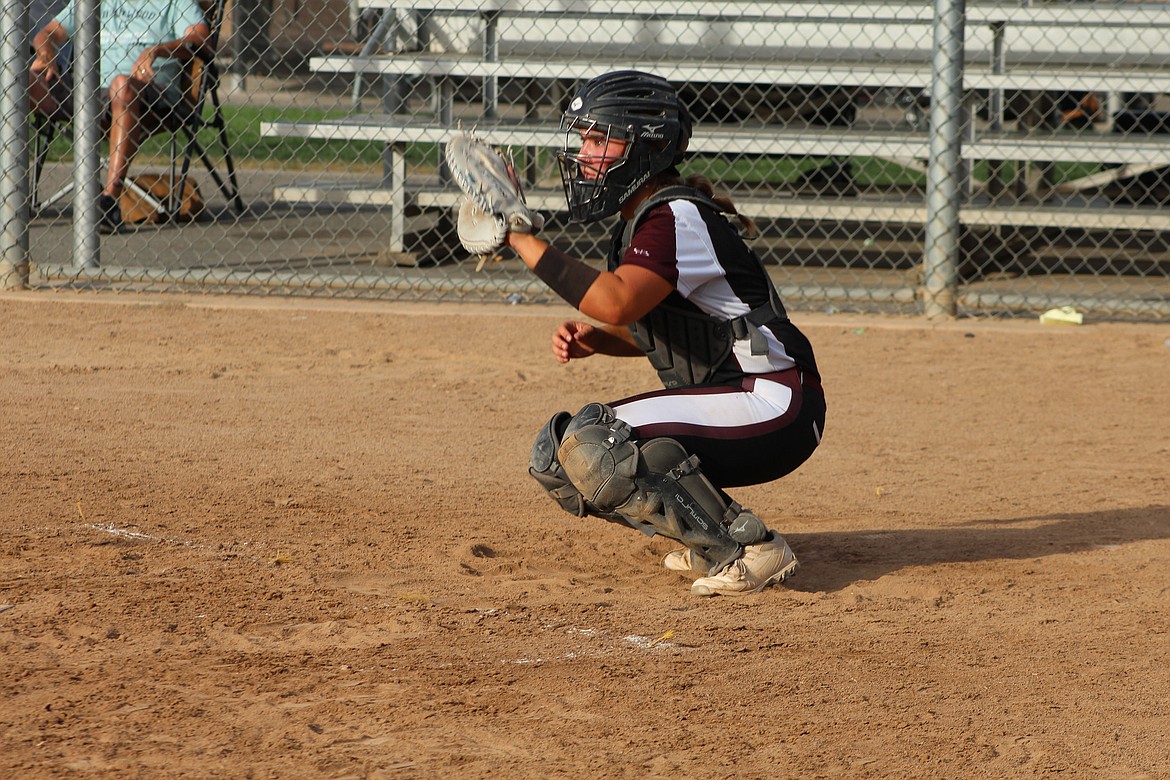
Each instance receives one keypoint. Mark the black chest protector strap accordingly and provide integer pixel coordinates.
(688, 347)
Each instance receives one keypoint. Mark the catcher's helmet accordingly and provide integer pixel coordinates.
(639, 109)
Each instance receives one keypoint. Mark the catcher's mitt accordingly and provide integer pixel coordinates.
(495, 203)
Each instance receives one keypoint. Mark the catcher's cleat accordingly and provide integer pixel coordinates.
(678, 560)
(767, 563)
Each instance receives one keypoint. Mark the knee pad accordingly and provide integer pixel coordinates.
(602, 461)
(546, 469)
(590, 414)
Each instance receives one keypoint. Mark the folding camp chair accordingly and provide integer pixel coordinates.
(201, 80)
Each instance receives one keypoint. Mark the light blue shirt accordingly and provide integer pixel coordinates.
(128, 27)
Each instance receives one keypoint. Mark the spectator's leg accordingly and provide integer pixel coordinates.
(42, 99)
(127, 109)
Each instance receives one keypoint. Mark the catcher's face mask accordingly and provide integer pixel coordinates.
(600, 168)
(637, 115)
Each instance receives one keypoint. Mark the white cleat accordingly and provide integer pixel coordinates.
(767, 563)
(678, 560)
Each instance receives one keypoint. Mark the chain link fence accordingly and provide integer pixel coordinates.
(976, 159)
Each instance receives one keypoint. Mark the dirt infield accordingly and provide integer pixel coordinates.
(298, 540)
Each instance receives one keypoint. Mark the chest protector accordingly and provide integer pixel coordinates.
(686, 346)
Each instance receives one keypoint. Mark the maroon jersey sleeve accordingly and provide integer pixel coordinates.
(653, 246)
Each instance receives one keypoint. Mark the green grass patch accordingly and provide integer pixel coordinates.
(250, 149)
(779, 171)
(753, 172)
(1008, 172)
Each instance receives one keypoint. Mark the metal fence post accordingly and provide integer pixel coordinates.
(14, 185)
(944, 174)
(86, 135)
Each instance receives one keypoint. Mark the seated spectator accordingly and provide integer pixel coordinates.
(145, 44)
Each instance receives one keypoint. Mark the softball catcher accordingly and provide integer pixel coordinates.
(742, 402)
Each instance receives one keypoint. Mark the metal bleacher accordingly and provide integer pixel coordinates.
(536, 48)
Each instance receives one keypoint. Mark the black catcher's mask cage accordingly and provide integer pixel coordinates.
(638, 108)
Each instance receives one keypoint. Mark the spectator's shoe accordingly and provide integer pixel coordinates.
(1086, 113)
(767, 563)
(109, 214)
